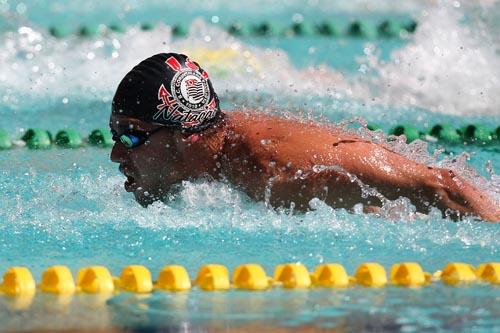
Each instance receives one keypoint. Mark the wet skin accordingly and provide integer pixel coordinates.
(287, 163)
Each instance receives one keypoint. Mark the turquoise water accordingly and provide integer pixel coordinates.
(69, 207)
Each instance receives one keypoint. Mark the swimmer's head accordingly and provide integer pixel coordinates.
(171, 90)
(158, 107)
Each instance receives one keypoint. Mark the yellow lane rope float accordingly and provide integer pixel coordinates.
(18, 281)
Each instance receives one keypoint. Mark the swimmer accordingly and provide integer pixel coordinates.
(168, 127)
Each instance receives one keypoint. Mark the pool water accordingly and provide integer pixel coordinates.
(69, 206)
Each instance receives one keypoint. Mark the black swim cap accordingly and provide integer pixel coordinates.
(168, 89)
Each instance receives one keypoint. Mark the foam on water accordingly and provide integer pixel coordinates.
(34, 64)
(71, 212)
(450, 66)
(447, 67)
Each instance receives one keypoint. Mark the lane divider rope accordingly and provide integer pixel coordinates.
(37, 138)
(445, 133)
(387, 28)
(18, 281)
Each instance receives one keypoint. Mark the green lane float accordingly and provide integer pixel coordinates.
(388, 28)
(266, 29)
(146, 26)
(180, 30)
(68, 138)
(240, 29)
(117, 27)
(476, 133)
(18, 281)
(5, 142)
(373, 127)
(410, 132)
(496, 133)
(446, 133)
(59, 31)
(328, 29)
(302, 29)
(37, 138)
(360, 29)
(101, 137)
(88, 31)
(411, 26)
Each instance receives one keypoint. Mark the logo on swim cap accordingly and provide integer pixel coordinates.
(189, 101)
(190, 89)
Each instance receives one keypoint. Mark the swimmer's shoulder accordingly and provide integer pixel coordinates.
(262, 126)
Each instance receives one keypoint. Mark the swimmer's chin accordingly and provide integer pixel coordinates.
(144, 202)
(147, 199)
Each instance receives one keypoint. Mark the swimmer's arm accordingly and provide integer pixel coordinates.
(394, 175)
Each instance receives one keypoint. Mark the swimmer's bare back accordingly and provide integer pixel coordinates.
(285, 161)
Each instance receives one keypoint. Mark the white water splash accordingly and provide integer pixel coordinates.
(450, 66)
(418, 151)
(96, 201)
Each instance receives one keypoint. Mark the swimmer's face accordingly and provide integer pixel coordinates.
(152, 163)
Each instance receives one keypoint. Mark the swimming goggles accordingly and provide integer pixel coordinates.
(134, 139)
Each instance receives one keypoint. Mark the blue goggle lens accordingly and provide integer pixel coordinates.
(129, 140)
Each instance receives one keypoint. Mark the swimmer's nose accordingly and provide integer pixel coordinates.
(118, 153)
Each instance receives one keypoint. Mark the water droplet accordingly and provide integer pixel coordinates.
(21, 8)
(298, 18)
